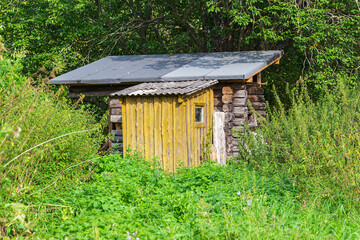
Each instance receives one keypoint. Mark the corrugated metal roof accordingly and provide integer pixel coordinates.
(178, 67)
(166, 88)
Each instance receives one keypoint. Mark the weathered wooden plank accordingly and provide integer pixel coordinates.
(95, 88)
(115, 102)
(255, 90)
(146, 127)
(132, 123)
(219, 137)
(164, 132)
(116, 118)
(239, 121)
(240, 112)
(240, 94)
(125, 129)
(189, 128)
(192, 133)
(239, 86)
(158, 130)
(90, 94)
(227, 107)
(258, 77)
(239, 102)
(227, 90)
(177, 134)
(116, 111)
(227, 98)
(259, 105)
(229, 116)
(117, 132)
(151, 138)
(256, 98)
(171, 130)
(140, 124)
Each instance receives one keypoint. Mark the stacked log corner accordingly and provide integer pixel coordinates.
(115, 125)
(232, 99)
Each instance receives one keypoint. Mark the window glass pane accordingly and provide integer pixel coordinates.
(198, 114)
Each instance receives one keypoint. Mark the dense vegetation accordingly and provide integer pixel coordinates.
(297, 175)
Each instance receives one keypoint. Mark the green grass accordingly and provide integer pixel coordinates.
(134, 196)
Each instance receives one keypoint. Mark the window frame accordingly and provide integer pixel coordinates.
(203, 106)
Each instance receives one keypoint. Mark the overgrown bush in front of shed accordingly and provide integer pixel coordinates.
(316, 143)
(41, 137)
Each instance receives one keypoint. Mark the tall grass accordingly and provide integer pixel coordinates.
(40, 136)
(317, 144)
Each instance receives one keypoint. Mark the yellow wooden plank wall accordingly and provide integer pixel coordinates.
(159, 126)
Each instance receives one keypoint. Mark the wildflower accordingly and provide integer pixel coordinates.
(282, 225)
(134, 234)
(128, 238)
(249, 202)
(295, 226)
(239, 193)
(137, 238)
(127, 233)
(273, 216)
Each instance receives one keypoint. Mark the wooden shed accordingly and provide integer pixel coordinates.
(168, 120)
(156, 101)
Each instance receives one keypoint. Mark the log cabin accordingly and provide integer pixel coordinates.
(173, 107)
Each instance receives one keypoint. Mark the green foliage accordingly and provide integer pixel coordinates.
(316, 143)
(32, 156)
(320, 38)
(132, 196)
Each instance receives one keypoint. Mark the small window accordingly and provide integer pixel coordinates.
(199, 114)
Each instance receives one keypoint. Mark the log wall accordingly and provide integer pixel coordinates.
(232, 99)
(115, 125)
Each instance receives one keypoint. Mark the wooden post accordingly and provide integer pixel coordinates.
(219, 137)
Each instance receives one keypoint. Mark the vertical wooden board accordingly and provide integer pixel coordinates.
(176, 132)
(212, 109)
(158, 129)
(202, 139)
(170, 126)
(192, 133)
(124, 114)
(188, 133)
(181, 132)
(132, 123)
(146, 127)
(151, 128)
(139, 124)
(164, 132)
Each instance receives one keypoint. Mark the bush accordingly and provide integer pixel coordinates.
(317, 144)
(61, 135)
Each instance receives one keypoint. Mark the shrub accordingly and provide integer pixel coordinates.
(317, 144)
(33, 116)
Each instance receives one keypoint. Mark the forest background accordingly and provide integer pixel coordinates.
(312, 135)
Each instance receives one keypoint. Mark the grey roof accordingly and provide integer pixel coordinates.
(166, 88)
(178, 67)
